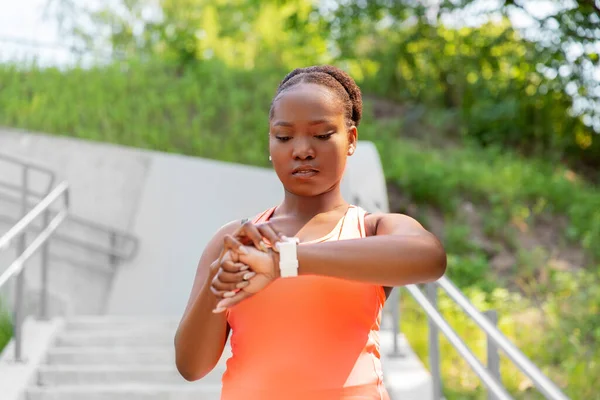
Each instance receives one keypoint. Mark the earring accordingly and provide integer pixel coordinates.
(351, 151)
(270, 158)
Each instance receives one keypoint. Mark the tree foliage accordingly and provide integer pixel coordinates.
(534, 89)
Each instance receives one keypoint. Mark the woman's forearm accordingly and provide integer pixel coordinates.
(201, 336)
(387, 260)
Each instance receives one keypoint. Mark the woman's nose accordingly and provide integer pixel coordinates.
(303, 150)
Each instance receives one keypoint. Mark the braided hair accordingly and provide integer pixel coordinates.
(333, 78)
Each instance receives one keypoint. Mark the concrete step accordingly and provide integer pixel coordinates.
(141, 329)
(116, 322)
(113, 338)
(111, 355)
(74, 375)
(158, 355)
(126, 392)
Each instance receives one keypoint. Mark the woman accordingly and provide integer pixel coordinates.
(314, 335)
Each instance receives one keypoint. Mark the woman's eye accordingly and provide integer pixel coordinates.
(283, 138)
(325, 136)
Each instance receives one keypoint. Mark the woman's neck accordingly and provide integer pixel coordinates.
(305, 208)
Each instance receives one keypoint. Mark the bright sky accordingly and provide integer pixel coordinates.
(23, 20)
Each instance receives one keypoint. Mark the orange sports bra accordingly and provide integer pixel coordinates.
(308, 337)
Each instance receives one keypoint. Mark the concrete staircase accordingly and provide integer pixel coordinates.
(117, 358)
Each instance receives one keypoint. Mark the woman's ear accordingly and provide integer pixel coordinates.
(352, 139)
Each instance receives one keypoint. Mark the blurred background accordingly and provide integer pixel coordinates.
(486, 115)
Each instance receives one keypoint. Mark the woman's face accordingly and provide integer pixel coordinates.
(309, 140)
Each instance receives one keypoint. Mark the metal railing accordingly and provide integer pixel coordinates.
(27, 166)
(122, 246)
(24, 253)
(117, 240)
(51, 220)
(496, 340)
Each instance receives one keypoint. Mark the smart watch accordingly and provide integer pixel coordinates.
(288, 257)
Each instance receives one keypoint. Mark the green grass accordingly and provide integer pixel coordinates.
(513, 187)
(217, 112)
(209, 111)
(5, 327)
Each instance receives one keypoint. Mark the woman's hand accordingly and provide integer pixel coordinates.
(249, 233)
(242, 274)
(232, 275)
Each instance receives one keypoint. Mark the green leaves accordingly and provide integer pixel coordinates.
(6, 328)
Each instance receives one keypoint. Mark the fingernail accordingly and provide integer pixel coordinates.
(243, 250)
(263, 246)
(222, 304)
(219, 310)
(244, 267)
(248, 275)
(242, 285)
(228, 294)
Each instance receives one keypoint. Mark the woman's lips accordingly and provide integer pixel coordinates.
(306, 173)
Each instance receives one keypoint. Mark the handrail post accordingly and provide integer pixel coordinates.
(20, 281)
(395, 299)
(434, 343)
(493, 357)
(44, 255)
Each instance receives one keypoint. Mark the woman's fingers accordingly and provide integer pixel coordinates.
(232, 266)
(251, 231)
(267, 231)
(233, 243)
(237, 277)
(231, 301)
(256, 233)
(225, 284)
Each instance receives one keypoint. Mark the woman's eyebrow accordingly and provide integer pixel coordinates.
(314, 122)
(283, 123)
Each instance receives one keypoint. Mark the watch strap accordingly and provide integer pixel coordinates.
(288, 257)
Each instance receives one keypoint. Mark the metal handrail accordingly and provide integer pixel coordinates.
(94, 248)
(31, 165)
(115, 234)
(24, 253)
(488, 380)
(25, 191)
(19, 189)
(490, 375)
(544, 385)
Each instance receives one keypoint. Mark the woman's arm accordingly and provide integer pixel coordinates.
(202, 334)
(401, 252)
